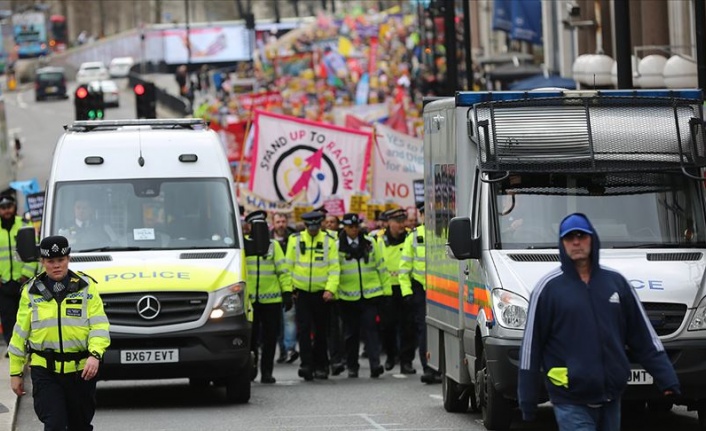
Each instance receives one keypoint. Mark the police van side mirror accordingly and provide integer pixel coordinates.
(259, 242)
(27, 246)
(461, 245)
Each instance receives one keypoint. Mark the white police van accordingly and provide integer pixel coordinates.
(150, 212)
(501, 171)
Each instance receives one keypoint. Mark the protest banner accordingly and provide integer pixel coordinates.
(296, 160)
(398, 162)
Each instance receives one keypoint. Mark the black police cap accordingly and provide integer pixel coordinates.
(54, 246)
(396, 214)
(7, 200)
(351, 219)
(256, 215)
(313, 218)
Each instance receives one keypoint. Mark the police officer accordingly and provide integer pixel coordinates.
(413, 276)
(61, 325)
(270, 289)
(360, 291)
(397, 318)
(13, 272)
(312, 256)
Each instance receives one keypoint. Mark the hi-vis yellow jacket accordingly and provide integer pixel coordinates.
(413, 265)
(77, 325)
(313, 262)
(268, 276)
(12, 268)
(361, 276)
(392, 255)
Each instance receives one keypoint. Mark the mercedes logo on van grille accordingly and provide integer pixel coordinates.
(148, 307)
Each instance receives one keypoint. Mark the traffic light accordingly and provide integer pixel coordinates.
(146, 100)
(88, 102)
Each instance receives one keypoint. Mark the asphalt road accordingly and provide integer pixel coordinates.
(393, 402)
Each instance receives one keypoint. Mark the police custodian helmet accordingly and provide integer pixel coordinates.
(54, 246)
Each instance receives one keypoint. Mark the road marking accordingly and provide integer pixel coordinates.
(436, 396)
(20, 100)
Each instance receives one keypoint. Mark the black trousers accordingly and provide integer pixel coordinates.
(312, 325)
(63, 401)
(10, 293)
(398, 328)
(267, 319)
(335, 340)
(419, 309)
(359, 320)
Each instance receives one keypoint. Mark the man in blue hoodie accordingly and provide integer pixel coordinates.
(581, 316)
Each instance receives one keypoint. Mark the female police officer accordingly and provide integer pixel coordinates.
(62, 325)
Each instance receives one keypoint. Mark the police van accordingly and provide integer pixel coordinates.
(150, 212)
(501, 171)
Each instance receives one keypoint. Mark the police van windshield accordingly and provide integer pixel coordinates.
(628, 210)
(145, 214)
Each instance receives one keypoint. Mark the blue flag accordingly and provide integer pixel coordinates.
(502, 15)
(527, 21)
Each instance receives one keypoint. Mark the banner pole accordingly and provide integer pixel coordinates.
(245, 140)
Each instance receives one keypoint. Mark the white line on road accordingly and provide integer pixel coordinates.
(20, 100)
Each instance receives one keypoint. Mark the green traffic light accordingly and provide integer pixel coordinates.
(91, 114)
(99, 114)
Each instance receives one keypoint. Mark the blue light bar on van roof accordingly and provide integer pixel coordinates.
(470, 98)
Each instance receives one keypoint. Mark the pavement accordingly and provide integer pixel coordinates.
(8, 400)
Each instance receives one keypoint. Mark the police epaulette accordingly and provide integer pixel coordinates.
(81, 273)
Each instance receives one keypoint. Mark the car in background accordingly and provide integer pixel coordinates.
(111, 92)
(120, 67)
(49, 82)
(91, 71)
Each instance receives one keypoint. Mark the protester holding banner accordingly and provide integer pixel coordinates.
(397, 318)
(312, 257)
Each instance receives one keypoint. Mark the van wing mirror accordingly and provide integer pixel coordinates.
(27, 246)
(461, 245)
(259, 242)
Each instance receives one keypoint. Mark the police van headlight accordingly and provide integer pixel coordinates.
(698, 320)
(510, 309)
(229, 301)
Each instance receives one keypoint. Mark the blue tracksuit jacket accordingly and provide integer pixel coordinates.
(585, 328)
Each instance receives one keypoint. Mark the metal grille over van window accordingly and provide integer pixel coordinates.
(673, 257)
(171, 308)
(666, 317)
(217, 255)
(534, 257)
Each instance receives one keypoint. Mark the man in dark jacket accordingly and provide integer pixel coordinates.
(581, 316)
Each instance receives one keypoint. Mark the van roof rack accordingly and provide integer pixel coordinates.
(155, 123)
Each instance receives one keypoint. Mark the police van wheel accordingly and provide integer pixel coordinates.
(495, 409)
(238, 388)
(455, 398)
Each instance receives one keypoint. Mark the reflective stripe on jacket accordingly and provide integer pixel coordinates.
(412, 264)
(313, 262)
(361, 277)
(11, 268)
(392, 255)
(77, 324)
(268, 276)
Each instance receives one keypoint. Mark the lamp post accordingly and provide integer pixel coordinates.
(188, 38)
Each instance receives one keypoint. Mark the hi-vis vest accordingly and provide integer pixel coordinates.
(392, 255)
(268, 276)
(360, 278)
(313, 262)
(10, 267)
(413, 265)
(78, 324)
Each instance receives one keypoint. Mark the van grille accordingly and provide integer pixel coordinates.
(93, 258)
(174, 308)
(673, 257)
(215, 255)
(666, 318)
(534, 257)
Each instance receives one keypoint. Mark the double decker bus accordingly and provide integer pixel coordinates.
(30, 32)
(58, 35)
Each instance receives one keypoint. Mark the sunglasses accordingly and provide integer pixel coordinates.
(577, 234)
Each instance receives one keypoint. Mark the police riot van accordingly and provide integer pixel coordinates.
(501, 171)
(150, 212)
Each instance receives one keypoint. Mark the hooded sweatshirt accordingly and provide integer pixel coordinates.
(576, 334)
